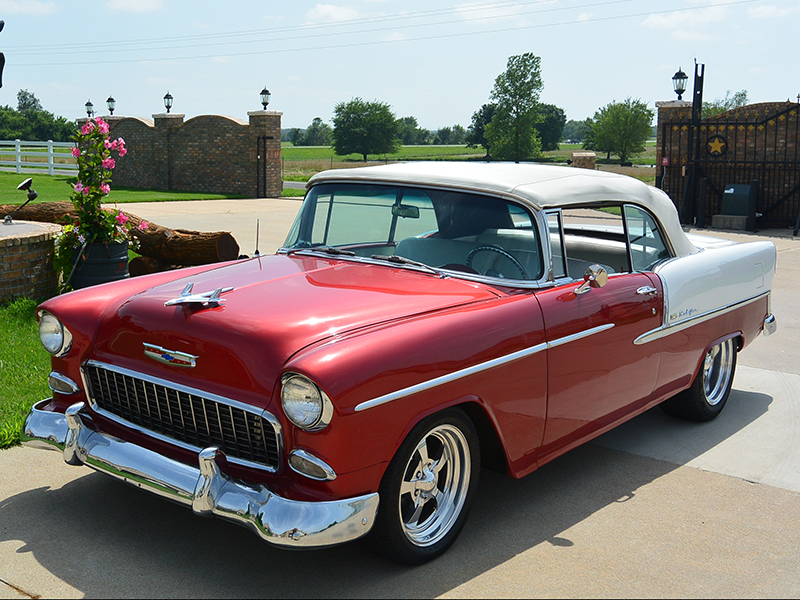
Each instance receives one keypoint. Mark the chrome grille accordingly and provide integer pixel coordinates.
(184, 415)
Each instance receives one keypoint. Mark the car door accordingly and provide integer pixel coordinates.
(596, 374)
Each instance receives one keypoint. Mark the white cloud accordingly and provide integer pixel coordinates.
(137, 6)
(394, 37)
(27, 7)
(769, 12)
(687, 18)
(583, 17)
(328, 13)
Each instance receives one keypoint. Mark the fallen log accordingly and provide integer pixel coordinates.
(180, 247)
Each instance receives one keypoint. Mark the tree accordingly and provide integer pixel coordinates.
(512, 131)
(551, 127)
(622, 128)
(575, 130)
(364, 128)
(717, 107)
(476, 132)
(28, 101)
(410, 133)
(31, 122)
(318, 133)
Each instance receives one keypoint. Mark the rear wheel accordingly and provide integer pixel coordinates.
(711, 387)
(427, 489)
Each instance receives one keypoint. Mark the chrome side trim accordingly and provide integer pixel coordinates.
(266, 415)
(665, 330)
(490, 364)
(205, 487)
(579, 336)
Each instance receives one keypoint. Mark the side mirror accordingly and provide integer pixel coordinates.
(595, 276)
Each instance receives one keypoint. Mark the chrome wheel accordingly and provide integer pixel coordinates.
(428, 488)
(718, 372)
(434, 485)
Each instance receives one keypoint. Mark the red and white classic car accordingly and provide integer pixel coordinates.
(420, 322)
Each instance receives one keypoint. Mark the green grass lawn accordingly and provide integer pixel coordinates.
(55, 188)
(24, 365)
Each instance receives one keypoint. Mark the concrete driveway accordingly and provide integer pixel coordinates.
(656, 508)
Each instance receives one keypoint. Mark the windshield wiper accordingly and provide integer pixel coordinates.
(326, 249)
(402, 260)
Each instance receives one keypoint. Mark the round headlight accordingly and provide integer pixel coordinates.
(304, 403)
(55, 338)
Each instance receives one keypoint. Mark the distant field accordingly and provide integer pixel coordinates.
(301, 162)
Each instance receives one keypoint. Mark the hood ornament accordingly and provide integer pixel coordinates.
(204, 299)
(170, 357)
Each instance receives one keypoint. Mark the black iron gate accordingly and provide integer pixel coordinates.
(740, 147)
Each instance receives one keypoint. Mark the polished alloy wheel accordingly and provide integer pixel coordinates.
(435, 485)
(718, 372)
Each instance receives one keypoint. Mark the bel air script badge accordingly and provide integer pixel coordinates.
(170, 357)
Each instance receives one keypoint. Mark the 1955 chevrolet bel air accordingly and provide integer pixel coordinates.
(420, 322)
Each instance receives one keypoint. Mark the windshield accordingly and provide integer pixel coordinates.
(450, 230)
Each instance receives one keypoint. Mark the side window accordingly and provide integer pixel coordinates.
(646, 244)
(556, 244)
(595, 236)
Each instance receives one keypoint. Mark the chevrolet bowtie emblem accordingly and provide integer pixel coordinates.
(170, 357)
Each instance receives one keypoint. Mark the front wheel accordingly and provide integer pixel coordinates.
(710, 388)
(427, 489)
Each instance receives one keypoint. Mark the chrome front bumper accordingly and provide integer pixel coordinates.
(206, 489)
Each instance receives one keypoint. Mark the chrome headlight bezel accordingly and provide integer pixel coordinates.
(55, 338)
(304, 403)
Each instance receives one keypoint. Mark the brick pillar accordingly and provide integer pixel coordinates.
(584, 160)
(162, 147)
(670, 111)
(267, 123)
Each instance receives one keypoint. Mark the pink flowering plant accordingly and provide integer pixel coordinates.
(94, 153)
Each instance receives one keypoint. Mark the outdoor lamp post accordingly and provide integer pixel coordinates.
(89, 108)
(112, 104)
(679, 83)
(168, 101)
(265, 96)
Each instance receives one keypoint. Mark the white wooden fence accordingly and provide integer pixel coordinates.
(56, 157)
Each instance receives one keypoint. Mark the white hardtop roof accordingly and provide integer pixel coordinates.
(542, 186)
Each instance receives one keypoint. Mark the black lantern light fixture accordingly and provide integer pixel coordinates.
(168, 101)
(679, 83)
(111, 103)
(265, 96)
(89, 108)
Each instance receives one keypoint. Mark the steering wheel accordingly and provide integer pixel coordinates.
(500, 251)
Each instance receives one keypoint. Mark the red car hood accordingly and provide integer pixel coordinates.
(279, 305)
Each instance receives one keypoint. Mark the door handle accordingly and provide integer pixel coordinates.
(647, 290)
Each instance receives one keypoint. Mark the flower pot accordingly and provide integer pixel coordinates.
(100, 263)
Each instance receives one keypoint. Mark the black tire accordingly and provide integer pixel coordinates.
(710, 388)
(427, 490)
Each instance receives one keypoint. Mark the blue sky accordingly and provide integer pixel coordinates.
(436, 61)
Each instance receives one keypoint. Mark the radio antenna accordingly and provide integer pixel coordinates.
(257, 253)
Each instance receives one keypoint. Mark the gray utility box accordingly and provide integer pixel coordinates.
(738, 208)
